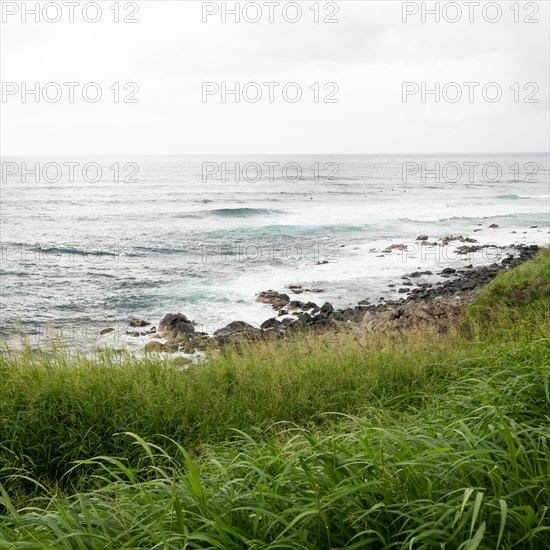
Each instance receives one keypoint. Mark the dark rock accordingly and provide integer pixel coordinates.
(275, 332)
(327, 308)
(176, 324)
(138, 323)
(422, 238)
(493, 226)
(322, 262)
(468, 285)
(106, 331)
(448, 270)
(468, 249)
(276, 299)
(323, 323)
(304, 319)
(236, 331)
(271, 323)
(394, 247)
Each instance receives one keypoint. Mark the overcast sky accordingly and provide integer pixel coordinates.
(368, 54)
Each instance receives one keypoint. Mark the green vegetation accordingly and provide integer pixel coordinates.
(405, 442)
(515, 304)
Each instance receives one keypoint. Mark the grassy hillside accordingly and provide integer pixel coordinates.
(416, 441)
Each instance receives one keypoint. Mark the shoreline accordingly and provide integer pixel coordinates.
(432, 306)
(429, 298)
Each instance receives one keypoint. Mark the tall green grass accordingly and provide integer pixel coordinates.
(413, 441)
(470, 470)
(55, 410)
(515, 305)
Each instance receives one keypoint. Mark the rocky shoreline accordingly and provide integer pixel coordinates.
(426, 305)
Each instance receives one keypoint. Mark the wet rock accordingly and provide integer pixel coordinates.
(276, 299)
(422, 238)
(327, 309)
(303, 319)
(322, 262)
(274, 332)
(494, 226)
(176, 324)
(236, 330)
(296, 305)
(323, 323)
(394, 247)
(271, 323)
(468, 249)
(106, 331)
(138, 323)
(468, 285)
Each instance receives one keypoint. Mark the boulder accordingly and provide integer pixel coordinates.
(295, 305)
(138, 323)
(271, 323)
(237, 330)
(175, 324)
(276, 299)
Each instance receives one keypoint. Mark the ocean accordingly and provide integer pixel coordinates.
(89, 244)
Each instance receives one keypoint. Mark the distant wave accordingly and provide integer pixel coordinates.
(92, 251)
(231, 213)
